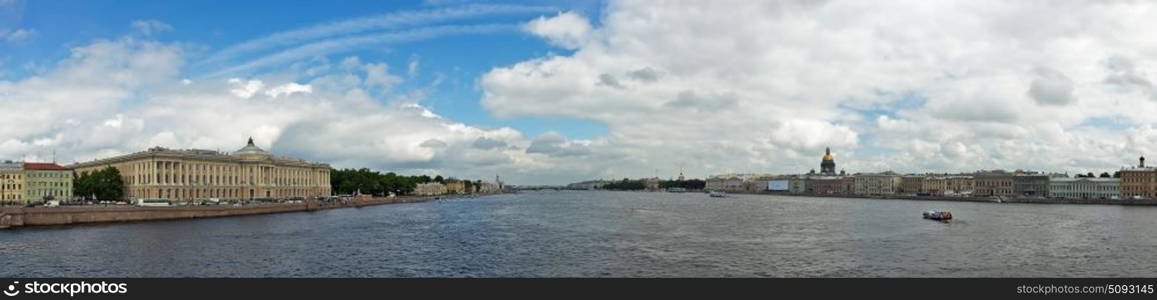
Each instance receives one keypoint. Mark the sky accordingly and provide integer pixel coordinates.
(552, 92)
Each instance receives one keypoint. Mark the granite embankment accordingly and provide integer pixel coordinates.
(72, 215)
(1032, 200)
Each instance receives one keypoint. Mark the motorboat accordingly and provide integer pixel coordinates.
(718, 194)
(938, 215)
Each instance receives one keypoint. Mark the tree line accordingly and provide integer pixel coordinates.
(639, 184)
(1116, 174)
(366, 181)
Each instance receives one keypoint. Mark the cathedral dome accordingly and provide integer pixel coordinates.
(828, 165)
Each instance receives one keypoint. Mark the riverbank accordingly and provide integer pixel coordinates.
(75, 215)
(1127, 202)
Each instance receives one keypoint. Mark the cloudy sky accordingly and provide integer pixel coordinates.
(549, 92)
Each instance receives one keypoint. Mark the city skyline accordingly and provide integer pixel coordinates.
(560, 92)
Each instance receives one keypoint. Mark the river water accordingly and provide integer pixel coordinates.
(610, 234)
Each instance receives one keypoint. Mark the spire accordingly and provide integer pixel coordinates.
(828, 150)
(251, 141)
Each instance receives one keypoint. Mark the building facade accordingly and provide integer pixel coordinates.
(877, 184)
(47, 181)
(959, 185)
(993, 184)
(797, 185)
(910, 185)
(246, 174)
(827, 185)
(1030, 185)
(1085, 188)
(430, 189)
(934, 185)
(12, 182)
(456, 187)
(738, 183)
(1139, 181)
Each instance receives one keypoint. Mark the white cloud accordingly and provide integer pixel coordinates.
(339, 45)
(904, 85)
(358, 25)
(122, 96)
(245, 89)
(412, 67)
(568, 30)
(741, 86)
(554, 144)
(151, 27)
(289, 89)
(378, 75)
(16, 35)
(1052, 88)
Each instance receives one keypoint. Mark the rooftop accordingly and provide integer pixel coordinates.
(44, 166)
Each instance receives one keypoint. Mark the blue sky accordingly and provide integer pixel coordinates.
(209, 26)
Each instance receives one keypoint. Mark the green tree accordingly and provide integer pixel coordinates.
(105, 184)
(1105, 175)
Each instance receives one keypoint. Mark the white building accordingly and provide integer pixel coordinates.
(1085, 188)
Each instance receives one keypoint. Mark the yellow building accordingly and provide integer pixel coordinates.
(12, 182)
(248, 173)
(455, 187)
(430, 189)
(47, 181)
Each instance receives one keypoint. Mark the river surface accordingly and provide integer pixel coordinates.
(610, 234)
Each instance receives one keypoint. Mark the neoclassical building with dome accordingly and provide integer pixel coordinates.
(193, 174)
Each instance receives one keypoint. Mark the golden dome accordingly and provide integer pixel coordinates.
(828, 157)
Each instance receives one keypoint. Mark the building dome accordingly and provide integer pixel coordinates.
(828, 165)
(251, 150)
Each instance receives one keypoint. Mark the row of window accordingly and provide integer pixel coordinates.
(219, 193)
(56, 174)
(1084, 188)
(179, 173)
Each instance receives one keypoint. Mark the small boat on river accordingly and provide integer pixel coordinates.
(938, 215)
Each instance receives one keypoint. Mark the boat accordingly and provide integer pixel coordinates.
(938, 215)
(718, 194)
(676, 190)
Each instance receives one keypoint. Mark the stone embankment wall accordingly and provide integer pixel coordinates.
(69, 215)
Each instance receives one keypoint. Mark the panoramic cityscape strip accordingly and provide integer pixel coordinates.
(203, 183)
(306, 148)
(1136, 183)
